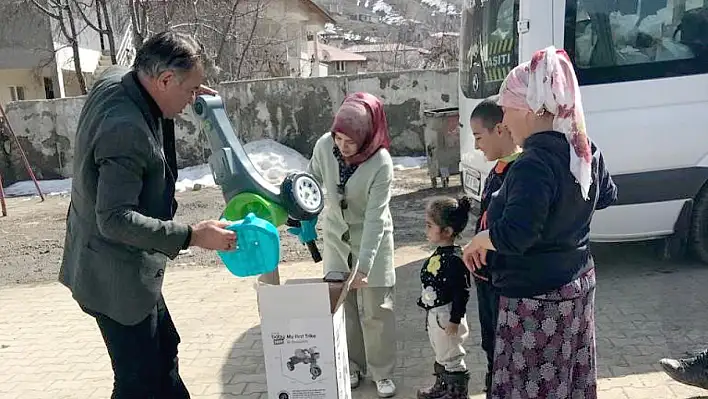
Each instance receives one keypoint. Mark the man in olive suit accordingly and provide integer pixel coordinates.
(119, 230)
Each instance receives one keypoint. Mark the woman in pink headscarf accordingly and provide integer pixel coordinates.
(539, 225)
(354, 166)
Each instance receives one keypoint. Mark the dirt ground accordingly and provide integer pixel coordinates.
(32, 235)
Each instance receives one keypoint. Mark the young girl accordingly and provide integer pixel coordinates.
(445, 283)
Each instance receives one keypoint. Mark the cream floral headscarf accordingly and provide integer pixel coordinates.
(548, 83)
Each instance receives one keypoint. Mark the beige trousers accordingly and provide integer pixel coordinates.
(449, 350)
(371, 335)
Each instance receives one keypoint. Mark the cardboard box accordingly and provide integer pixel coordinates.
(305, 339)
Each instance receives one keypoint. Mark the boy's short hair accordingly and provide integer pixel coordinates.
(489, 112)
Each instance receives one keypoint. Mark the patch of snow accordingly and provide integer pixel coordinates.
(355, 37)
(405, 163)
(48, 187)
(273, 160)
(439, 35)
(329, 28)
(382, 6)
(194, 176)
(441, 6)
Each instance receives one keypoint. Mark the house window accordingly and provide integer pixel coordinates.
(17, 93)
(340, 66)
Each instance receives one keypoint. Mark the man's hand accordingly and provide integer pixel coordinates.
(452, 329)
(206, 90)
(212, 234)
(361, 280)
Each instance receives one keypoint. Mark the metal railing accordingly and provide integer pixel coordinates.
(125, 50)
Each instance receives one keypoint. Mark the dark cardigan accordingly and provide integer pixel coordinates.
(539, 223)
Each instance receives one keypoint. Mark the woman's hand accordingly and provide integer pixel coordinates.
(452, 329)
(361, 280)
(475, 253)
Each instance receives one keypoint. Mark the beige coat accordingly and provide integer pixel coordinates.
(367, 217)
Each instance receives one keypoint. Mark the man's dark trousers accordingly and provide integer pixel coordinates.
(488, 304)
(144, 356)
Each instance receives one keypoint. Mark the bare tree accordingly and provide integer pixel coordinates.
(62, 12)
(231, 19)
(241, 41)
(249, 41)
(238, 36)
(444, 44)
(103, 26)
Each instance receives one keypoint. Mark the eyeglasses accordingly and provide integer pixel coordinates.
(343, 199)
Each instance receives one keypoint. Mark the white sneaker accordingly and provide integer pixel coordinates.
(355, 379)
(385, 388)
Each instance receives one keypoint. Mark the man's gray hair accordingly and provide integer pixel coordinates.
(167, 51)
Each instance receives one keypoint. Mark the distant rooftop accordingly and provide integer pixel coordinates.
(333, 54)
(318, 10)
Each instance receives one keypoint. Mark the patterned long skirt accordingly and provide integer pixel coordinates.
(545, 345)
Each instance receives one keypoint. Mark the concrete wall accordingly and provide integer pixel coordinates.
(292, 111)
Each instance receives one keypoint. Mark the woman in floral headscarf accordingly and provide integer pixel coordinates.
(539, 224)
(354, 166)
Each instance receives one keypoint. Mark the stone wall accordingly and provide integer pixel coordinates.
(292, 111)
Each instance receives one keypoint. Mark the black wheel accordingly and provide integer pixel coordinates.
(698, 234)
(291, 366)
(302, 196)
(316, 371)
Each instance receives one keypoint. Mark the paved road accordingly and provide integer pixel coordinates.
(49, 349)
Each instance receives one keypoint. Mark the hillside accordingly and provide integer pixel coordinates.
(406, 21)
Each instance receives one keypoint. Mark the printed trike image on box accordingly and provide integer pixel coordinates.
(306, 356)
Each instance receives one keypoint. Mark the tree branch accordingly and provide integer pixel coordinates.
(45, 10)
(62, 26)
(220, 50)
(86, 18)
(248, 43)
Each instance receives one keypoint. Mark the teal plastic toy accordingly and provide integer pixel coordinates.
(257, 248)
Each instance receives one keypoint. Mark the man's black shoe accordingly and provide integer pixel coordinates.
(691, 371)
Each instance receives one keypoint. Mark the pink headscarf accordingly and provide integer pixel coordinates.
(548, 83)
(361, 118)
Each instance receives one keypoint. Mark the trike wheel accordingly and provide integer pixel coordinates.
(302, 196)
